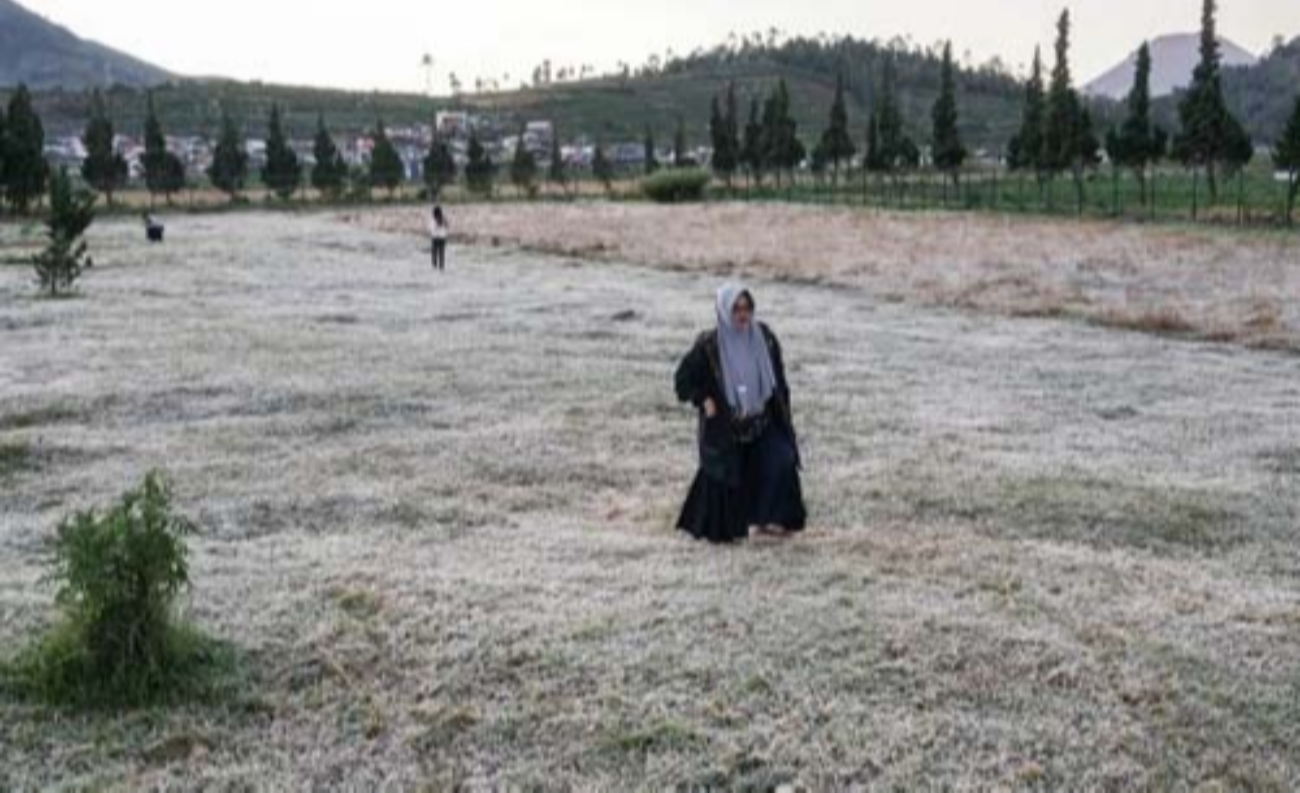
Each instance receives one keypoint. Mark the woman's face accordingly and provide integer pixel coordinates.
(742, 314)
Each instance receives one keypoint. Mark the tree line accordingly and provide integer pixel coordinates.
(769, 144)
(1057, 136)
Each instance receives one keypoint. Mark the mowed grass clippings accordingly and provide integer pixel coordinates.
(438, 522)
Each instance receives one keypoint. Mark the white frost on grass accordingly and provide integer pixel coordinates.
(439, 519)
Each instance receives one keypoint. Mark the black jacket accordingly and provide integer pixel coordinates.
(699, 378)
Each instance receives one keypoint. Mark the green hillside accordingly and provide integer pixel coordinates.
(620, 108)
(1261, 95)
(610, 108)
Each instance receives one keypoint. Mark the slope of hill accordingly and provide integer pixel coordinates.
(1264, 94)
(1261, 95)
(610, 108)
(38, 52)
(1173, 58)
(623, 108)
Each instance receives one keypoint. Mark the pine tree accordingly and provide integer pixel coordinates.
(1025, 151)
(1087, 147)
(64, 258)
(164, 172)
(771, 145)
(282, 172)
(480, 171)
(26, 171)
(557, 170)
(1060, 129)
(1286, 158)
(837, 142)
(439, 167)
(782, 149)
(752, 147)
(874, 160)
(602, 168)
(723, 134)
(947, 149)
(330, 172)
(731, 124)
(651, 152)
(386, 167)
(893, 149)
(523, 168)
(1138, 143)
(1210, 135)
(104, 169)
(229, 166)
(1087, 153)
(716, 133)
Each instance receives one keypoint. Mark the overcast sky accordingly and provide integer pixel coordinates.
(379, 43)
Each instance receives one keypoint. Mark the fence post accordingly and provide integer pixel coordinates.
(1241, 197)
(1196, 195)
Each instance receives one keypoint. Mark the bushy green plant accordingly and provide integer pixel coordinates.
(118, 574)
(676, 186)
(64, 258)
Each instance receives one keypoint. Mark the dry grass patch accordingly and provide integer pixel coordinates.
(1163, 321)
(1200, 283)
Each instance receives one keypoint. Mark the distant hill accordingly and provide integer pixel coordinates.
(610, 108)
(1261, 95)
(1173, 58)
(623, 107)
(1265, 93)
(44, 55)
(620, 108)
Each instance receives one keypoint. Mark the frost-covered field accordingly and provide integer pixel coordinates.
(439, 512)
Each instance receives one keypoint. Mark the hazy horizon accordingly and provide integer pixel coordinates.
(381, 46)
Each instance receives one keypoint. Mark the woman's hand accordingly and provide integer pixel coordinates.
(710, 408)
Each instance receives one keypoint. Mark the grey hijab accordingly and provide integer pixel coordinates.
(746, 360)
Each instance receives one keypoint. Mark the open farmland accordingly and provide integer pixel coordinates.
(437, 510)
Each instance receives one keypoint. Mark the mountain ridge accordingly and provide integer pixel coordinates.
(1173, 58)
(46, 55)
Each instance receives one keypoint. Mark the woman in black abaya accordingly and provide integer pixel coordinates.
(748, 482)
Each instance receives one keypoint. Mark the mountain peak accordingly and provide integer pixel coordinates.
(42, 54)
(1173, 59)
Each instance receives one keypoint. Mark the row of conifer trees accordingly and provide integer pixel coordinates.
(1056, 137)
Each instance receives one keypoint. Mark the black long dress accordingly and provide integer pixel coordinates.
(739, 484)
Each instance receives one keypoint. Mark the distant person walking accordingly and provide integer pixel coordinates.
(438, 229)
(748, 483)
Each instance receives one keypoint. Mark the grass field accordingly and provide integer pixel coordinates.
(1045, 553)
(1203, 283)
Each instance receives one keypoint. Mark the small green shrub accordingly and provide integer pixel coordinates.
(64, 258)
(676, 186)
(118, 574)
